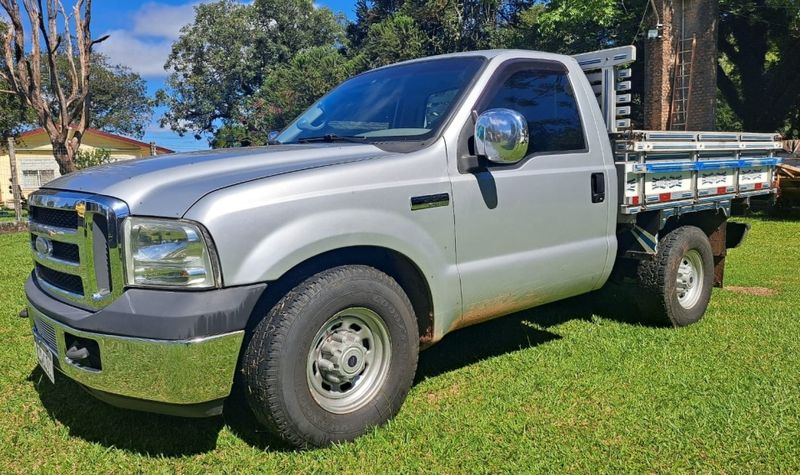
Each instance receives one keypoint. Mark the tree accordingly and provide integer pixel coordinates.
(119, 102)
(394, 39)
(64, 112)
(448, 25)
(224, 57)
(14, 116)
(759, 64)
(573, 27)
(287, 91)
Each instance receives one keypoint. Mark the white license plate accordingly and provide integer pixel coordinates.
(45, 358)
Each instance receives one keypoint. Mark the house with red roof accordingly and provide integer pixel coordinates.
(36, 165)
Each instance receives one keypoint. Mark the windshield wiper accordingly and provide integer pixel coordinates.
(330, 138)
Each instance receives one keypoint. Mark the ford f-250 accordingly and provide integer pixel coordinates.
(408, 202)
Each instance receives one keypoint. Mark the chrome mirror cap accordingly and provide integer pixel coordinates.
(501, 135)
(273, 135)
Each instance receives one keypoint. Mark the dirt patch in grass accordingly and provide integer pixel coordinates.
(757, 291)
(13, 227)
(444, 394)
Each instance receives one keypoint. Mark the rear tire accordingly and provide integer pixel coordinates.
(334, 357)
(676, 284)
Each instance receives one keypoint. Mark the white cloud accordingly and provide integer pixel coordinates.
(145, 56)
(162, 21)
(145, 46)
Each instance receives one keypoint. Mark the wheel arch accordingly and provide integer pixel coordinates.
(708, 221)
(389, 261)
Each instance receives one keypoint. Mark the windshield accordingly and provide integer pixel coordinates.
(404, 102)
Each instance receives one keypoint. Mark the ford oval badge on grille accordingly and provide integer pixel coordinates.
(44, 246)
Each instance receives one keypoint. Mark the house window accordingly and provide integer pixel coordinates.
(36, 178)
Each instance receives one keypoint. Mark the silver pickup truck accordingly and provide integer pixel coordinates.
(408, 202)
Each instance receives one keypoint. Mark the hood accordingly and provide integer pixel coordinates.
(168, 185)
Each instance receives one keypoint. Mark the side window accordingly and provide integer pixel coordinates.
(546, 99)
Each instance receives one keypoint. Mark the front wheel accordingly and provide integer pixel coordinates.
(676, 284)
(333, 358)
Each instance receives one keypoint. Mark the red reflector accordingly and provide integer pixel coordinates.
(664, 196)
(759, 185)
(721, 190)
(635, 200)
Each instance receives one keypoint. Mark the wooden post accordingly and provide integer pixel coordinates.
(15, 189)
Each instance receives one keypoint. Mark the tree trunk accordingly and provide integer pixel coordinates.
(64, 157)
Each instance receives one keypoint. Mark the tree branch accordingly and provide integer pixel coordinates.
(73, 73)
(23, 72)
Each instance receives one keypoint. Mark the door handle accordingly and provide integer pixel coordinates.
(598, 187)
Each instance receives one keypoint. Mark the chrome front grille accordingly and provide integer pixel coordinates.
(76, 246)
(60, 218)
(46, 332)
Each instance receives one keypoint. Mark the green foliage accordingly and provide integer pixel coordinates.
(86, 159)
(571, 27)
(243, 69)
(394, 39)
(287, 91)
(224, 57)
(14, 116)
(759, 42)
(118, 103)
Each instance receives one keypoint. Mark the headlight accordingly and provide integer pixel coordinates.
(166, 253)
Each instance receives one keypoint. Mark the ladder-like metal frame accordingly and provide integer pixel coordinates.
(682, 84)
(607, 82)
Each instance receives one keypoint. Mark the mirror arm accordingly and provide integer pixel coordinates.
(472, 164)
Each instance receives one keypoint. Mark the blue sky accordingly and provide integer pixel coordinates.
(141, 35)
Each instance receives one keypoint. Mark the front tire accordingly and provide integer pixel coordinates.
(334, 357)
(676, 284)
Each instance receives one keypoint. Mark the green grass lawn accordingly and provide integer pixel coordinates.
(562, 388)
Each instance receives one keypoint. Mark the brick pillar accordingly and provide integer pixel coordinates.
(701, 18)
(682, 18)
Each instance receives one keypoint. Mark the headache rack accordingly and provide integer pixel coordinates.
(676, 170)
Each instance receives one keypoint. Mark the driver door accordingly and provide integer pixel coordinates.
(530, 233)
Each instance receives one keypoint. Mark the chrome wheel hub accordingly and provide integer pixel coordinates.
(342, 358)
(690, 279)
(348, 360)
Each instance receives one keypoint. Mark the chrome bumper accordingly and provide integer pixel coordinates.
(164, 371)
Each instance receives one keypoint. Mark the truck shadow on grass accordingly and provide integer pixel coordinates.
(140, 432)
(166, 436)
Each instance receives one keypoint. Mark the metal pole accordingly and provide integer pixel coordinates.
(12, 157)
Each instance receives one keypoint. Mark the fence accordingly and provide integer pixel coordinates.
(792, 146)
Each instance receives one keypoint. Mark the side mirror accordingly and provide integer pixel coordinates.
(501, 135)
(273, 134)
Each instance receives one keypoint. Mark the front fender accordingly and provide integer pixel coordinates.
(313, 234)
(265, 228)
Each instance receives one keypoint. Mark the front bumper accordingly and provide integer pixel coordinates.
(173, 372)
(170, 375)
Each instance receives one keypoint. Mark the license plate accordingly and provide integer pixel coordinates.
(45, 358)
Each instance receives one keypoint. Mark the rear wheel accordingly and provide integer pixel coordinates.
(333, 358)
(676, 284)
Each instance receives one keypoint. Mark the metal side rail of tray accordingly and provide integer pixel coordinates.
(689, 170)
